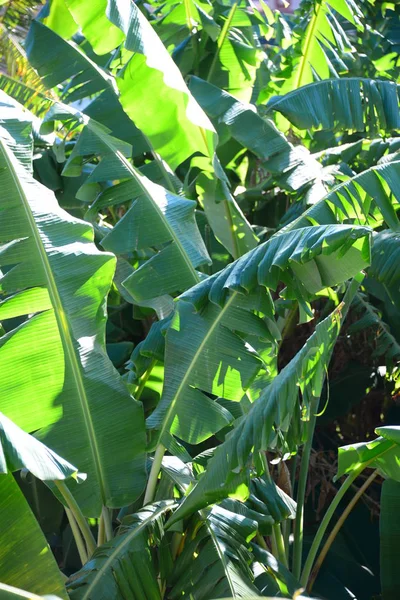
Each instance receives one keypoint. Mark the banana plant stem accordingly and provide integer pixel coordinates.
(105, 514)
(301, 491)
(280, 544)
(101, 534)
(221, 39)
(77, 536)
(143, 380)
(80, 519)
(288, 523)
(324, 524)
(277, 542)
(154, 472)
(336, 530)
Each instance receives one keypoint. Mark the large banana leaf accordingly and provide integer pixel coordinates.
(58, 61)
(19, 450)
(310, 53)
(124, 567)
(269, 415)
(370, 197)
(203, 351)
(256, 133)
(351, 104)
(381, 453)
(216, 559)
(70, 392)
(170, 223)
(8, 592)
(181, 128)
(389, 539)
(25, 558)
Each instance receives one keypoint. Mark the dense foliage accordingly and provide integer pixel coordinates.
(199, 299)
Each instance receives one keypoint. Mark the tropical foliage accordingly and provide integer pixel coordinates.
(199, 299)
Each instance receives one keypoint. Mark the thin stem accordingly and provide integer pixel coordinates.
(80, 519)
(301, 491)
(77, 536)
(221, 39)
(261, 541)
(235, 240)
(324, 524)
(280, 544)
(101, 534)
(277, 543)
(336, 529)
(105, 513)
(153, 477)
(288, 523)
(143, 380)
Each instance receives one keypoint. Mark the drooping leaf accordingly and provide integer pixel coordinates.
(381, 453)
(52, 271)
(171, 226)
(19, 450)
(269, 415)
(124, 567)
(216, 560)
(61, 62)
(350, 104)
(203, 352)
(257, 134)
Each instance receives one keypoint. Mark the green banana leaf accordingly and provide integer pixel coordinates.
(389, 539)
(203, 351)
(124, 567)
(19, 450)
(7, 592)
(350, 104)
(370, 197)
(216, 560)
(70, 393)
(256, 133)
(181, 129)
(323, 34)
(381, 453)
(58, 61)
(270, 414)
(25, 557)
(170, 219)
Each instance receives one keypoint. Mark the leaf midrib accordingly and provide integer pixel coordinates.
(138, 178)
(63, 326)
(182, 385)
(310, 38)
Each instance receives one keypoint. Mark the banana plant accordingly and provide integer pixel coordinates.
(207, 195)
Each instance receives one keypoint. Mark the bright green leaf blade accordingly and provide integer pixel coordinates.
(170, 218)
(69, 381)
(25, 557)
(382, 453)
(19, 450)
